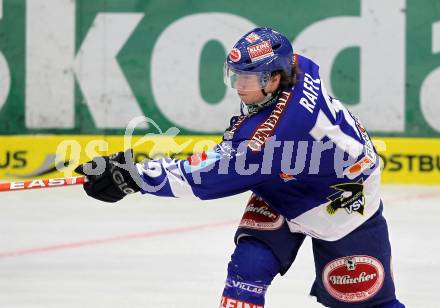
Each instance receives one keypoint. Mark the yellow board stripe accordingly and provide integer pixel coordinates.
(405, 160)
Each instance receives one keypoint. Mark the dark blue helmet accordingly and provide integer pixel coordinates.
(261, 51)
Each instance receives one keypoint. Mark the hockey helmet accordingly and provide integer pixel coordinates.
(254, 57)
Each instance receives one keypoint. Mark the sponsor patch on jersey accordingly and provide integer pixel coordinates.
(225, 149)
(252, 37)
(235, 55)
(236, 122)
(358, 167)
(354, 278)
(349, 196)
(199, 161)
(294, 59)
(227, 302)
(286, 177)
(260, 51)
(266, 129)
(245, 286)
(369, 158)
(259, 215)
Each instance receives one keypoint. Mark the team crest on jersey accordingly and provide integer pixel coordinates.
(354, 278)
(349, 196)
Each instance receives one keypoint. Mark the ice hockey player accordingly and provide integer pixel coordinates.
(312, 170)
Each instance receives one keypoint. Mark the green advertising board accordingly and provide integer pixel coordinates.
(89, 66)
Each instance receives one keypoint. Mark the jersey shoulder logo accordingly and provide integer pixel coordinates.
(349, 196)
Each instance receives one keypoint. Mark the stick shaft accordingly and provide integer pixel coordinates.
(42, 183)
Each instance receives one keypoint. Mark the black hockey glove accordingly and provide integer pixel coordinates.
(110, 178)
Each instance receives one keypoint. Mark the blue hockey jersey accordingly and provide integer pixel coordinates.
(305, 154)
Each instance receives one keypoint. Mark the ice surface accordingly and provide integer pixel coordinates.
(62, 249)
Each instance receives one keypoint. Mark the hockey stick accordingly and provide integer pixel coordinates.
(42, 183)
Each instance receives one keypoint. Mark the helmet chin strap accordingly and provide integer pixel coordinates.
(269, 99)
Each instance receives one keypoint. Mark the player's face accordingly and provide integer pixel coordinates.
(244, 81)
(249, 85)
(248, 82)
(250, 97)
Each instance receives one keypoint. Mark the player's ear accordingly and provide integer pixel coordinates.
(276, 77)
(275, 80)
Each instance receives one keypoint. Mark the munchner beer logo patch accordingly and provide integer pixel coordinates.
(349, 196)
(260, 51)
(354, 278)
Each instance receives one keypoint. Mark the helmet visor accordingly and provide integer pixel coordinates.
(243, 80)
